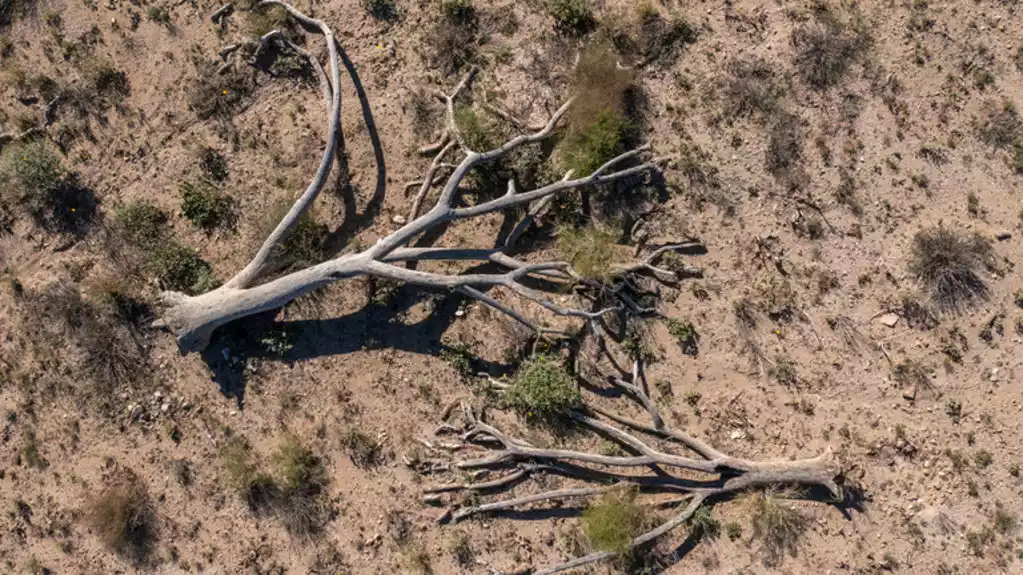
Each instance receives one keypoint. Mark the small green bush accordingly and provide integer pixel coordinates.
(159, 15)
(213, 164)
(141, 223)
(204, 205)
(586, 148)
(686, 335)
(458, 11)
(298, 467)
(180, 268)
(386, 10)
(304, 245)
(480, 133)
(29, 174)
(591, 251)
(614, 521)
(571, 17)
(363, 449)
(542, 389)
(704, 524)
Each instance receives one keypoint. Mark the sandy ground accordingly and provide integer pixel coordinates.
(930, 498)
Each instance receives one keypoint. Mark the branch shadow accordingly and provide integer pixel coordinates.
(374, 326)
(354, 221)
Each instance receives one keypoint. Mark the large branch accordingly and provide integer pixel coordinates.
(257, 266)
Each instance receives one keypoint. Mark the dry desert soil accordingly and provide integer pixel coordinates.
(835, 186)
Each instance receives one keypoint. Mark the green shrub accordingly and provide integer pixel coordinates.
(946, 263)
(586, 148)
(159, 15)
(213, 164)
(784, 371)
(363, 449)
(590, 251)
(298, 468)
(480, 134)
(614, 521)
(304, 245)
(30, 172)
(204, 205)
(704, 524)
(686, 335)
(542, 389)
(460, 12)
(386, 10)
(180, 268)
(141, 223)
(571, 17)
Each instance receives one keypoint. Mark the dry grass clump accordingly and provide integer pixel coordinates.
(590, 250)
(123, 517)
(100, 336)
(220, 96)
(946, 264)
(826, 48)
(751, 88)
(614, 521)
(292, 491)
(777, 526)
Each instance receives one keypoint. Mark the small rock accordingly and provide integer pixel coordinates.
(399, 219)
(889, 319)
(909, 393)
(459, 313)
(1002, 236)
(157, 394)
(165, 407)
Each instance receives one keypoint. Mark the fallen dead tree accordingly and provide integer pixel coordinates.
(194, 318)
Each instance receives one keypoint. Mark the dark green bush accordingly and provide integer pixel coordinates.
(213, 164)
(542, 389)
(386, 10)
(686, 335)
(141, 223)
(586, 148)
(180, 268)
(204, 205)
(571, 17)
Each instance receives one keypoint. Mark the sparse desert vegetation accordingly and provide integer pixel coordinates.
(275, 303)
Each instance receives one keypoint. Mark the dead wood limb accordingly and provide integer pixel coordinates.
(221, 13)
